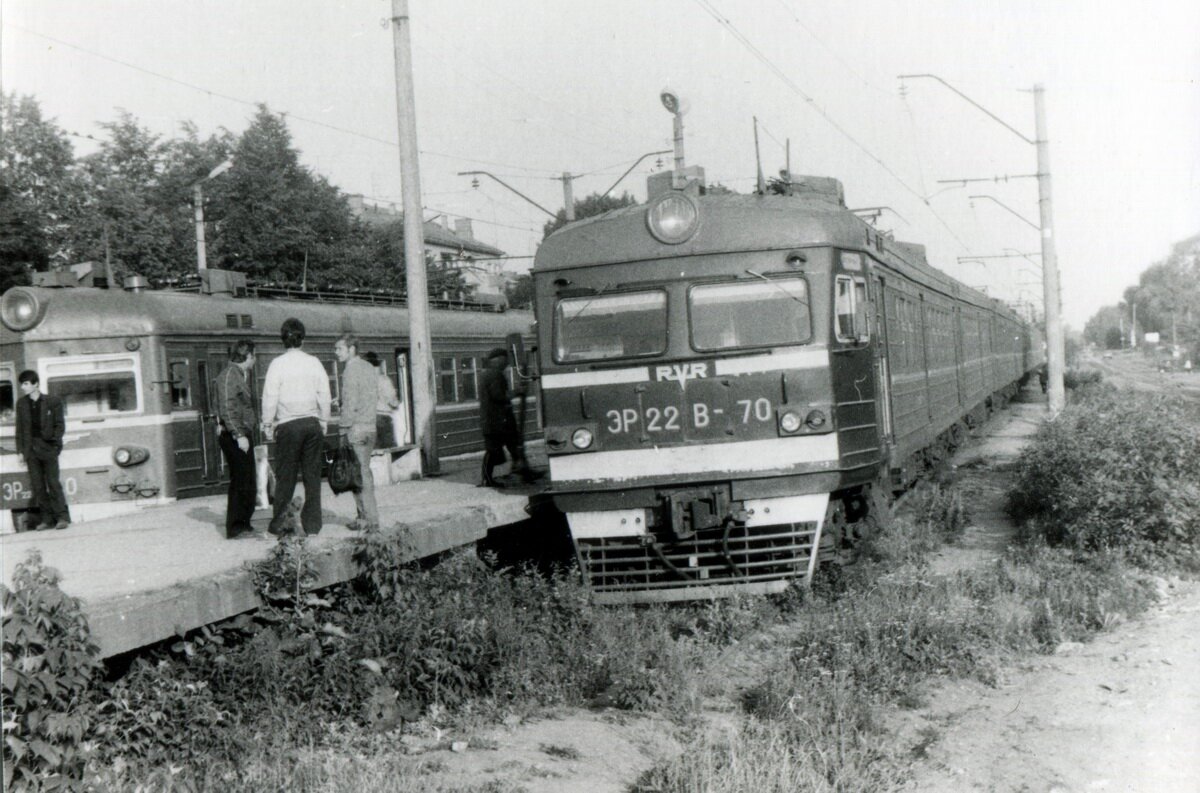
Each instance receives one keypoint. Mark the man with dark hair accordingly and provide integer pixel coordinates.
(295, 413)
(356, 423)
(40, 427)
(235, 411)
(496, 420)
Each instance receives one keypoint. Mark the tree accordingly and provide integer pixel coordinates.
(520, 291)
(593, 204)
(22, 242)
(120, 218)
(275, 220)
(1104, 328)
(39, 189)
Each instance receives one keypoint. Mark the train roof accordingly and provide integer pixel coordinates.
(85, 312)
(735, 223)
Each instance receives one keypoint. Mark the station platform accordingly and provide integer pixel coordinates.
(148, 575)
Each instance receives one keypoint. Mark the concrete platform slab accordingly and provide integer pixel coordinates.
(145, 576)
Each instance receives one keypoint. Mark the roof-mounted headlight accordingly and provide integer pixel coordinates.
(20, 309)
(673, 218)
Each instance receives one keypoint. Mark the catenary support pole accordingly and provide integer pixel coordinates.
(420, 344)
(1055, 347)
(198, 213)
(568, 195)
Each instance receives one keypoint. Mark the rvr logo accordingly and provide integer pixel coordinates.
(681, 372)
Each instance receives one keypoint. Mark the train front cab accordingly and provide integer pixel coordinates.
(116, 427)
(697, 425)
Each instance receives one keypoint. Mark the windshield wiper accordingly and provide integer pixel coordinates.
(777, 286)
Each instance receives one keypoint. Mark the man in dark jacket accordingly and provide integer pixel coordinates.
(40, 427)
(496, 420)
(235, 411)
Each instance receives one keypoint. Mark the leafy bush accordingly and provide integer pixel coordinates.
(1115, 470)
(50, 665)
(1080, 378)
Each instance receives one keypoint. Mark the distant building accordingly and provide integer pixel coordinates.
(481, 265)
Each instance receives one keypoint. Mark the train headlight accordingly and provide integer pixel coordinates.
(789, 421)
(815, 419)
(126, 456)
(21, 309)
(581, 438)
(673, 218)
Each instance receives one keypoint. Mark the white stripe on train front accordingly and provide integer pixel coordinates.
(68, 459)
(708, 458)
(807, 358)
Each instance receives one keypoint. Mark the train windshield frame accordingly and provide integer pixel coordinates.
(8, 393)
(610, 326)
(733, 315)
(95, 386)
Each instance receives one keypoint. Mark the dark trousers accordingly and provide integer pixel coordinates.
(48, 497)
(298, 447)
(239, 506)
(494, 444)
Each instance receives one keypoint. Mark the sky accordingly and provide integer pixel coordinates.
(530, 89)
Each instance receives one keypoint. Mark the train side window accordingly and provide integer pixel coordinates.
(467, 391)
(446, 380)
(181, 384)
(95, 386)
(8, 393)
(850, 304)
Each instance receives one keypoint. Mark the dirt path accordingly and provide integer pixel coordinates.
(1121, 713)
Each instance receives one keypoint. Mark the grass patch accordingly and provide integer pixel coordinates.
(876, 635)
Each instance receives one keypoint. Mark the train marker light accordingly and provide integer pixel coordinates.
(20, 309)
(789, 422)
(581, 438)
(815, 419)
(125, 456)
(673, 218)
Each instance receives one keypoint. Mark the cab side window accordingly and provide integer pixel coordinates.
(850, 309)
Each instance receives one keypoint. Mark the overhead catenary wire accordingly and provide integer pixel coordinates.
(707, 7)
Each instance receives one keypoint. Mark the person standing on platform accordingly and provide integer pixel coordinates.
(235, 412)
(360, 392)
(40, 428)
(497, 421)
(385, 405)
(295, 414)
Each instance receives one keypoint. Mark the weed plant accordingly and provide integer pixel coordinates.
(1117, 471)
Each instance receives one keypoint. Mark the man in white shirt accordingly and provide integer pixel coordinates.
(295, 413)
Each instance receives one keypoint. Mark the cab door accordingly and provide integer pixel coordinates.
(199, 466)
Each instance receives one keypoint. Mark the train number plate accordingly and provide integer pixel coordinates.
(693, 416)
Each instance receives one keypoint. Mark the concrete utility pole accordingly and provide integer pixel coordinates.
(1052, 305)
(420, 343)
(1052, 308)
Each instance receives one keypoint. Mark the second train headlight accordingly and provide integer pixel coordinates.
(789, 421)
(581, 438)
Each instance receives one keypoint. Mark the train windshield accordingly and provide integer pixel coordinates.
(597, 328)
(8, 392)
(93, 387)
(757, 314)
